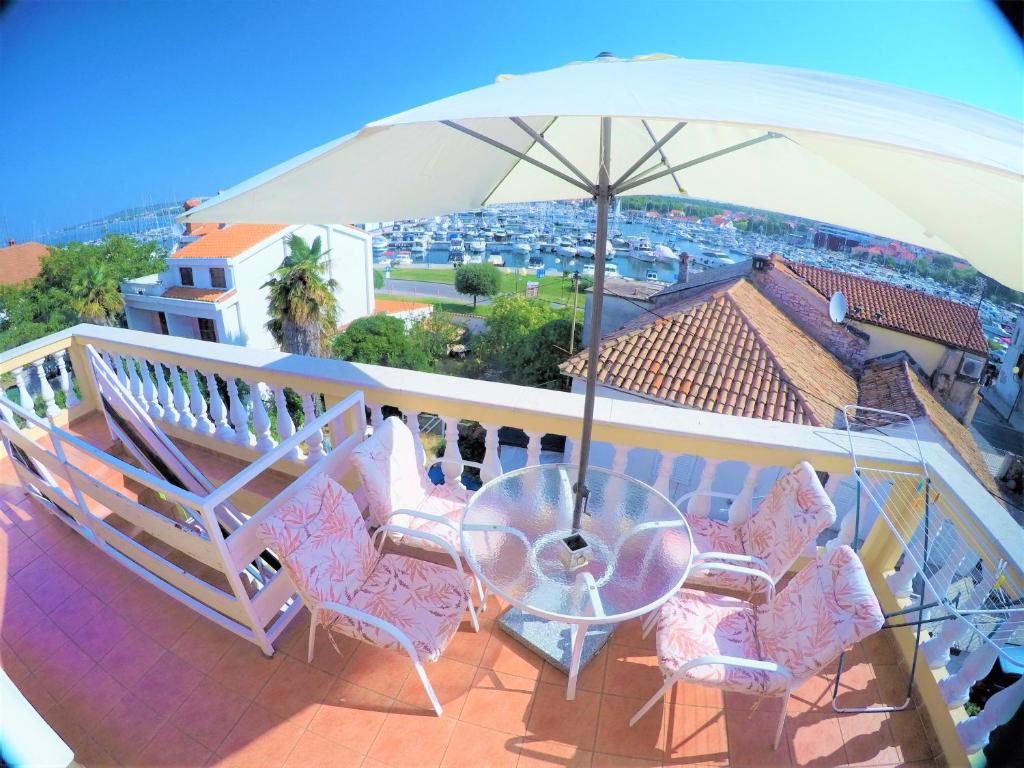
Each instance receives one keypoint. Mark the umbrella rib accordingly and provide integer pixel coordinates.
(539, 138)
(658, 144)
(661, 153)
(635, 182)
(487, 199)
(516, 153)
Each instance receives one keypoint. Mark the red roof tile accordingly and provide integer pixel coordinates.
(726, 349)
(901, 309)
(390, 306)
(233, 240)
(20, 262)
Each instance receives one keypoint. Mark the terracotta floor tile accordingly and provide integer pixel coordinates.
(295, 691)
(911, 736)
(815, 739)
(468, 646)
(209, 712)
(552, 718)
(312, 751)
(616, 737)
(868, 738)
(537, 753)
(499, 701)
(413, 740)
(591, 677)
(11, 664)
(93, 696)
(505, 654)
(77, 610)
(244, 669)
(37, 693)
(617, 761)
(101, 633)
(630, 633)
(260, 739)
(127, 728)
(351, 716)
(64, 668)
(47, 583)
(694, 735)
(167, 621)
(22, 556)
(472, 746)
(891, 685)
(857, 686)
(631, 672)
(750, 739)
(131, 657)
(36, 645)
(451, 681)
(203, 644)
(20, 616)
(173, 747)
(378, 669)
(879, 648)
(330, 657)
(167, 683)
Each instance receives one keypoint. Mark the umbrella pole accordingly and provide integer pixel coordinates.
(603, 199)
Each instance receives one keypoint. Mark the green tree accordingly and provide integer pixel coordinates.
(436, 334)
(378, 279)
(303, 310)
(525, 341)
(477, 280)
(96, 296)
(380, 340)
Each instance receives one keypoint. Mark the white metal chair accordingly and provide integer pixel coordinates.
(770, 649)
(387, 600)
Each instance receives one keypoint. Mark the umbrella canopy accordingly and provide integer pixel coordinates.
(856, 153)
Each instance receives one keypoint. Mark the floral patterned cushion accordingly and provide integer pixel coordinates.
(694, 624)
(390, 470)
(791, 516)
(322, 540)
(826, 608)
(425, 600)
(715, 536)
(446, 501)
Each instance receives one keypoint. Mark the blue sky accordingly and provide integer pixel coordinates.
(112, 104)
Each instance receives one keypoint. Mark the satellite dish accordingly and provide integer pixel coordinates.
(837, 307)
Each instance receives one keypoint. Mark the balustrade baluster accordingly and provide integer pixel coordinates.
(285, 425)
(901, 583)
(743, 505)
(218, 412)
(49, 402)
(412, 420)
(315, 442)
(260, 418)
(451, 465)
(974, 731)
(533, 448)
(700, 506)
(239, 414)
(66, 385)
(574, 452)
(376, 414)
(185, 417)
(135, 384)
(122, 374)
(663, 480)
(956, 688)
(936, 650)
(24, 398)
(149, 389)
(165, 395)
(492, 454)
(197, 403)
(943, 577)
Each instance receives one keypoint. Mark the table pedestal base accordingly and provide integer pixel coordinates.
(552, 639)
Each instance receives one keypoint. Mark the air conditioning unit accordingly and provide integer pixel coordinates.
(971, 367)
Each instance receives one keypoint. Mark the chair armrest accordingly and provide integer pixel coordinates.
(737, 661)
(464, 462)
(423, 516)
(376, 621)
(431, 537)
(749, 559)
(682, 500)
(754, 573)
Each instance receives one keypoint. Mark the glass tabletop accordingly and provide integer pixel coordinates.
(638, 545)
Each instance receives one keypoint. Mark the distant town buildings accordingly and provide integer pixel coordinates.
(20, 261)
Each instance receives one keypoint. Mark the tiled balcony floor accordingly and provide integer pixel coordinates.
(128, 676)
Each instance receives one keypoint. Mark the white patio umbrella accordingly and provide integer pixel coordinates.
(856, 153)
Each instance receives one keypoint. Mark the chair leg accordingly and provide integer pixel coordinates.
(650, 621)
(428, 688)
(482, 593)
(782, 720)
(665, 688)
(472, 613)
(312, 634)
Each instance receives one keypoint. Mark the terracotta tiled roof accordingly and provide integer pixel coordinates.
(197, 294)
(901, 309)
(390, 306)
(20, 262)
(233, 240)
(890, 384)
(725, 348)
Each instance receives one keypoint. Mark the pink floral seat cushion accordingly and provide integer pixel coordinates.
(825, 609)
(694, 624)
(711, 535)
(425, 600)
(444, 501)
(321, 537)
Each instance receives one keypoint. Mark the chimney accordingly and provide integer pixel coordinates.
(684, 267)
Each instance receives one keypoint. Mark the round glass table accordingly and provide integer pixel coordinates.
(632, 553)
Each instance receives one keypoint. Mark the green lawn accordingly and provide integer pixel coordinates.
(448, 305)
(552, 287)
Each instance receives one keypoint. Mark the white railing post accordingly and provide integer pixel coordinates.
(492, 459)
(901, 582)
(285, 425)
(743, 504)
(185, 417)
(412, 420)
(122, 373)
(52, 409)
(66, 385)
(239, 414)
(451, 464)
(956, 688)
(974, 731)
(23, 394)
(574, 453)
(166, 397)
(700, 506)
(533, 448)
(219, 413)
(315, 442)
(149, 388)
(376, 414)
(197, 403)
(936, 650)
(663, 479)
(260, 418)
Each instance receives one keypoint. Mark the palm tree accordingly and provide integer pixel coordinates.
(95, 295)
(303, 310)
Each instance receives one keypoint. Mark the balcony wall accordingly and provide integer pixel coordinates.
(690, 449)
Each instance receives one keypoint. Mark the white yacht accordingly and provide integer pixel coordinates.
(611, 270)
(477, 245)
